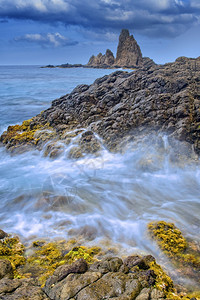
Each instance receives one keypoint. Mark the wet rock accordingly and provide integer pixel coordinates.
(141, 262)
(21, 289)
(71, 285)
(144, 294)
(54, 150)
(6, 270)
(3, 234)
(80, 266)
(153, 98)
(157, 294)
(110, 264)
(75, 152)
(111, 285)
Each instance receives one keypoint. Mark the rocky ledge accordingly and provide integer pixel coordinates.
(63, 270)
(118, 108)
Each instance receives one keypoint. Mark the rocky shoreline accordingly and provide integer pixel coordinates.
(114, 111)
(118, 108)
(65, 270)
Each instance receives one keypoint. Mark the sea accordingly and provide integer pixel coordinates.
(106, 200)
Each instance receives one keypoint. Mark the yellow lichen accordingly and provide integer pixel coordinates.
(163, 281)
(82, 252)
(169, 238)
(51, 255)
(13, 250)
(183, 253)
(19, 134)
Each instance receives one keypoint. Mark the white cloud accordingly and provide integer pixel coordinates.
(47, 40)
(156, 16)
(195, 4)
(42, 6)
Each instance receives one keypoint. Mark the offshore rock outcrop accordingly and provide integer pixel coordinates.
(128, 51)
(128, 55)
(118, 107)
(102, 61)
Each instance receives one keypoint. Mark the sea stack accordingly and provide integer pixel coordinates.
(128, 51)
(129, 54)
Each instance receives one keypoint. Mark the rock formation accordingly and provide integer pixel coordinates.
(118, 106)
(128, 51)
(128, 54)
(102, 61)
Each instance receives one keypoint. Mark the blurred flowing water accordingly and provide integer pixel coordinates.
(105, 199)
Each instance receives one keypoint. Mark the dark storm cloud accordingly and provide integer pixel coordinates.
(47, 40)
(150, 17)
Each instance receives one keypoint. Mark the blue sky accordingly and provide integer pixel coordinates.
(61, 31)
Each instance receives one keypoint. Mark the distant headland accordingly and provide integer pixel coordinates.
(129, 56)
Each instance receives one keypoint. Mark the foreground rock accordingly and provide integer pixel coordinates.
(119, 107)
(135, 278)
(64, 270)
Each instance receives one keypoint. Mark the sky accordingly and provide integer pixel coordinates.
(70, 31)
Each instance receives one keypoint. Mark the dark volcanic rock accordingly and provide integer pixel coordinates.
(128, 51)
(161, 98)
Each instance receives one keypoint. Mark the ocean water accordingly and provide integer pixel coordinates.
(108, 199)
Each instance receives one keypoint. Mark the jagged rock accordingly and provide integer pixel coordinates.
(128, 51)
(102, 61)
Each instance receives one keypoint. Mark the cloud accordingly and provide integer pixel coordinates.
(47, 40)
(166, 18)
